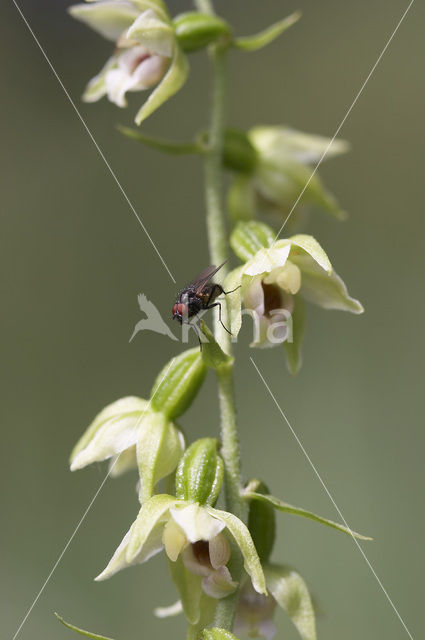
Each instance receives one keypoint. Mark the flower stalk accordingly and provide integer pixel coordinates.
(218, 246)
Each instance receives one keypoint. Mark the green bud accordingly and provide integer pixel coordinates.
(197, 30)
(239, 154)
(262, 524)
(217, 634)
(178, 383)
(159, 449)
(199, 475)
(249, 237)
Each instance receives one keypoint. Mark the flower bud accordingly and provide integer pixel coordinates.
(239, 154)
(199, 475)
(197, 30)
(262, 524)
(178, 383)
(249, 237)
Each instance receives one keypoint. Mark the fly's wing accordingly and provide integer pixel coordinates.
(205, 276)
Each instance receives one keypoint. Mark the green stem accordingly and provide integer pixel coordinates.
(218, 245)
(204, 6)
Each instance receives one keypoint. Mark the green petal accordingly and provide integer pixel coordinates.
(82, 632)
(159, 449)
(277, 142)
(327, 291)
(153, 33)
(173, 80)
(145, 538)
(285, 182)
(291, 593)
(243, 539)
(178, 383)
(242, 199)
(118, 560)
(263, 38)
(309, 245)
(288, 508)
(113, 430)
(158, 6)
(189, 587)
(249, 237)
(109, 18)
(293, 348)
(234, 302)
(96, 88)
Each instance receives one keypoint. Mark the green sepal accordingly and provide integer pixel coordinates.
(189, 587)
(109, 19)
(263, 38)
(160, 144)
(239, 154)
(249, 237)
(212, 354)
(159, 449)
(199, 475)
(262, 524)
(82, 632)
(217, 634)
(172, 82)
(298, 511)
(241, 535)
(291, 593)
(293, 348)
(196, 30)
(178, 383)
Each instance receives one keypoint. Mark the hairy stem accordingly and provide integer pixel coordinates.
(218, 245)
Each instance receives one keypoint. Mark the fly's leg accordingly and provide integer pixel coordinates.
(195, 328)
(218, 304)
(226, 293)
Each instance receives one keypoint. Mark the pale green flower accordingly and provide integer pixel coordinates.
(198, 535)
(285, 161)
(129, 434)
(146, 51)
(275, 280)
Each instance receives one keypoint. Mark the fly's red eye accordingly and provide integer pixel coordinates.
(182, 309)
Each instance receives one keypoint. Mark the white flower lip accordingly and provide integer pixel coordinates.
(196, 522)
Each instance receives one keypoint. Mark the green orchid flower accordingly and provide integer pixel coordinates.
(196, 540)
(274, 282)
(147, 52)
(284, 162)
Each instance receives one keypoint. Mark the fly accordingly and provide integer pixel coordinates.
(200, 295)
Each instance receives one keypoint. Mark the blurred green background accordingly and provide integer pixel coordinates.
(74, 259)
